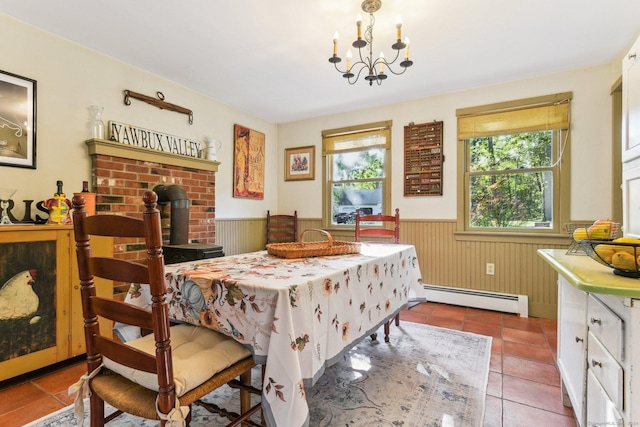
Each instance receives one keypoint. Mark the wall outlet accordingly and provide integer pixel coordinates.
(491, 268)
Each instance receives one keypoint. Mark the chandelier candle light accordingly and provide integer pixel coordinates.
(375, 68)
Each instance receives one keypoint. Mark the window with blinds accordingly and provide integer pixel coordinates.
(514, 158)
(356, 163)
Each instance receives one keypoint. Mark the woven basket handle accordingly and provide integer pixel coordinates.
(318, 230)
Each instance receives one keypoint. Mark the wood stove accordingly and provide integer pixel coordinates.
(179, 249)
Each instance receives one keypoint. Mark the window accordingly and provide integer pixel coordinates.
(356, 163)
(515, 164)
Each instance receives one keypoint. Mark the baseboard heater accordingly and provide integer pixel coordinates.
(506, 303)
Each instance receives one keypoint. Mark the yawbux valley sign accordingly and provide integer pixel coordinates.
(153, 140)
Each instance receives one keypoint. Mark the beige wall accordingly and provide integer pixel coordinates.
(591, 142)
(70, 78)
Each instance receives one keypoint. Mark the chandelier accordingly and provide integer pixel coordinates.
(375, 69)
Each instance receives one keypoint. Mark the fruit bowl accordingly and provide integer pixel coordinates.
(622, 257)
(574, 248)
(584, 231)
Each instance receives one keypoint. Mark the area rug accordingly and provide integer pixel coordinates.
(426, 376)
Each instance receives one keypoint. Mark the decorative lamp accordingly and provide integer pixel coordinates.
(374, 70)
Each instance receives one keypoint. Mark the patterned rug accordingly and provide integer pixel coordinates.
(426, 376)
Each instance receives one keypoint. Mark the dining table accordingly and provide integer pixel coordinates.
(298, 316)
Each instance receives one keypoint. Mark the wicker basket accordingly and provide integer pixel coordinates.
(304, 249)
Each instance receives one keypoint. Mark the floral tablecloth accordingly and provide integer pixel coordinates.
(297, 315)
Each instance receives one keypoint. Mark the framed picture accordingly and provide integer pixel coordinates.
(248, 163)
(299, 163)
(17, 121)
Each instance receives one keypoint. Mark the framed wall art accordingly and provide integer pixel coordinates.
(17, 121)
(299, 163)
(248, 163)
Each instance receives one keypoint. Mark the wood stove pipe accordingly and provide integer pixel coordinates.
(177, 196)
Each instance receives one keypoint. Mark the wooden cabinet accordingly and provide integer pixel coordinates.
(572, 346)
(40, 307)
(423, 159)
(604, 385)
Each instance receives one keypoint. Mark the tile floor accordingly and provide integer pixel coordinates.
(523, 390)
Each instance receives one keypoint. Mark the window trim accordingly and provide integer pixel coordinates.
(561, 174)
(328, 139)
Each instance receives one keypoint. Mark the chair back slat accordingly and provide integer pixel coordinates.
(126, 355)
(114, 226)
(121, 312)
(378, 231)
(282, 228)
(151, 272)
(119, 270)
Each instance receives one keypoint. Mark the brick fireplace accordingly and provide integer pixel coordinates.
(121, 173)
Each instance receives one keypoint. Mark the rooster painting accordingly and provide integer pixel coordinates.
(30, 292)
(17, 297)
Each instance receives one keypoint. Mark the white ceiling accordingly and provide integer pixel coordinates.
(270, 57)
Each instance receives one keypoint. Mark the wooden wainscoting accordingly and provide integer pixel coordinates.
(447, 261)
(444, 259)
(238, 236)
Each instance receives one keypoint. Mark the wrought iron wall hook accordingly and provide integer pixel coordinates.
(159, 102)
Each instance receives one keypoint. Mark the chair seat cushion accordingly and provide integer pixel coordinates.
(198, 354)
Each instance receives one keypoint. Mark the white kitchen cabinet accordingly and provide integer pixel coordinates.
(631, 141)
(631, 198)
(631, 103)
(603, 386)
(601, 410)
(572, 346)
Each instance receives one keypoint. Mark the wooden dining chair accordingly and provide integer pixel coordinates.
(160, 375)
(282, 228)
(386, 230)
(389, 230)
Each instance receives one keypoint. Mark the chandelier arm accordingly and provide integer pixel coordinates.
(335, 64)
(362, 64)
(382, 60)
(394, 59)
(389, 64)
(357, 76)
(399, 72)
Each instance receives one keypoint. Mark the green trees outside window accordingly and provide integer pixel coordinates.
(511, 180)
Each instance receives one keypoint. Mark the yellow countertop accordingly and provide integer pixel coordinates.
(590, 276)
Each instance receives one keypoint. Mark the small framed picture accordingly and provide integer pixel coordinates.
(299, 163)
(17, 121)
